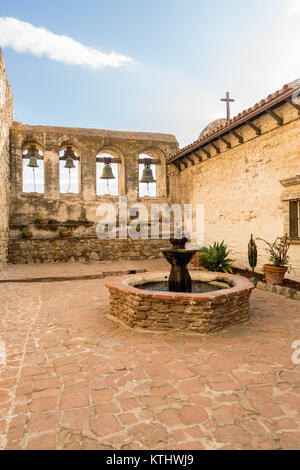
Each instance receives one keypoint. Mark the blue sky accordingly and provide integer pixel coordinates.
(185, 56)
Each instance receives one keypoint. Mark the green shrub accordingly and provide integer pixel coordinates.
(278, 251)
(215, 258)
(25, 230)
(63, 229)
(38, 217)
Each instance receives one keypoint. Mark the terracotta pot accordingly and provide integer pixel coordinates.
(274, 274)
(65, 234)
(44, 222)
(26, 235)
(197, 259)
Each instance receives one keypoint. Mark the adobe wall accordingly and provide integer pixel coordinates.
(241, 187)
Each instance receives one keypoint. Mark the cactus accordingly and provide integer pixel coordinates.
(252, 254)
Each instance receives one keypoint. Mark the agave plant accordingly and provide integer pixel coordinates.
(215, 258)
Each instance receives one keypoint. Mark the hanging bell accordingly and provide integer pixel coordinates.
(69, 163)
(32, 152)
(147, 176)
(107, 173)
(33, 163)
(32, 155)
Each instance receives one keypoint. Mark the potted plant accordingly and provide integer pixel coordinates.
(26, 233)
(64, 232)
(215, 258)
(252, 257)
(82, 220)
(40, 220)
(276, 270)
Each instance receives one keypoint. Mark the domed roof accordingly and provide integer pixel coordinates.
(212, 126)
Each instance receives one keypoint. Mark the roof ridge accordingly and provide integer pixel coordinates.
(286, 87)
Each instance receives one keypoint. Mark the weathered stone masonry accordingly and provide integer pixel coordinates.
(82, 249)
(6, 118)
(245, 178)
(192, 313)
(88, 143)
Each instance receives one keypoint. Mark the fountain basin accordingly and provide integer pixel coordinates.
(197, 313)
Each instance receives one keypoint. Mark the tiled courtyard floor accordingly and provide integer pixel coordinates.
(71, 378)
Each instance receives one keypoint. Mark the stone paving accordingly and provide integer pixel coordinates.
(15, 272)
(72, 378)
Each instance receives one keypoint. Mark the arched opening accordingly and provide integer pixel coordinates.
(33, 169)
(69, 171)
(147, 173)
(107, 174)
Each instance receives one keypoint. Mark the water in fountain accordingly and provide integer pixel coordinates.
(179, 279)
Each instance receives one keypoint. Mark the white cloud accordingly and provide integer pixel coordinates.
(258, 65)
(292, 7)
(24, 37)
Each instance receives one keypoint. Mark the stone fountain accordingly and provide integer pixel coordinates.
(178, 257)
(207, 303)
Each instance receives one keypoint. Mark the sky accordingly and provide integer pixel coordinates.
(135, 65)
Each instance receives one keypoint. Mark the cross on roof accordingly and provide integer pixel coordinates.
(228, 100)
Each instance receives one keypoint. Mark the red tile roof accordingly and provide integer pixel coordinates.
(265, 104)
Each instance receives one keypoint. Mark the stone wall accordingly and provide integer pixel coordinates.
(82, 249)
(191, 313)
(87, 143)
(6, 118)
(241, 187)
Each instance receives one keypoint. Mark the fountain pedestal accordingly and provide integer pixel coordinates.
(179, 258)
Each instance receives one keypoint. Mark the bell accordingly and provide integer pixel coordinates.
(32, 151)
(69, 163)
(33, 163)
(147, 176)
(107, 173)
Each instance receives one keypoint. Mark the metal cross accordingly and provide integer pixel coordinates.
(228, 100)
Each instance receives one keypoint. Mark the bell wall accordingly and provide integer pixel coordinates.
(87, 143)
